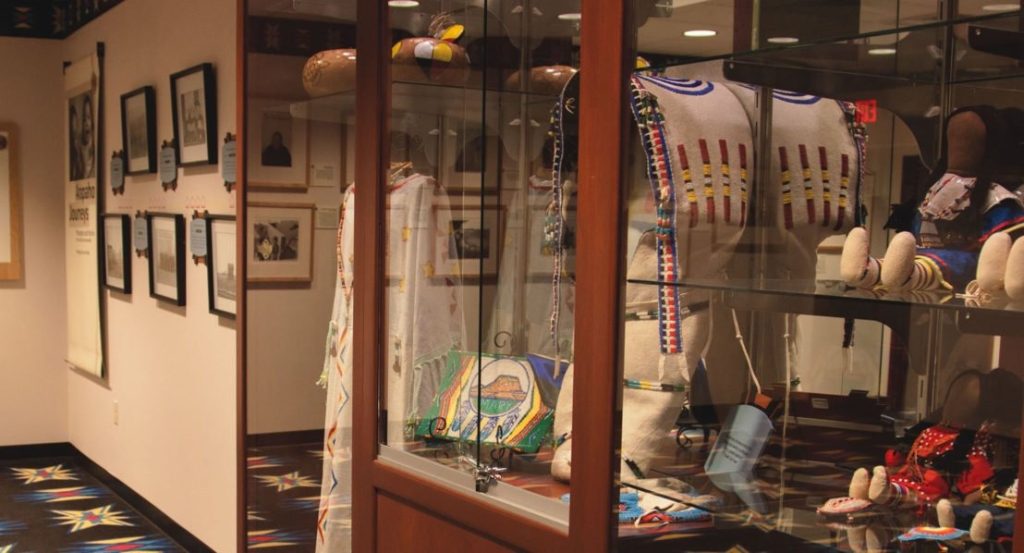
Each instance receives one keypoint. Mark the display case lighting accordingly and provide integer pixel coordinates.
(700, 33)
(1003, 7)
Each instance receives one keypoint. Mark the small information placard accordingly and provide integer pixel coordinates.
(117, 173)
(197, 237)
(229, 166)
(168, 167)
(140, 234)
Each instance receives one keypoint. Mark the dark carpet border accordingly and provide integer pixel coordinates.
(294, 437)
(161, 520)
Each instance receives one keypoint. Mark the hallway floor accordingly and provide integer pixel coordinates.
(53, 505)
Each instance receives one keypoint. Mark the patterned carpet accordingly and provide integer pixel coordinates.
(52, 505)
(284, 495)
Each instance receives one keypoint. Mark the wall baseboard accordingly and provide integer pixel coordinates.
(31, 451)
(294, 437)
(166, 524)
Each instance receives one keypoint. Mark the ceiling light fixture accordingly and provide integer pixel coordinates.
(700, 33)
(882, 51)
(572, 16)
(783, 40)
(403, 3)
(1007, 7)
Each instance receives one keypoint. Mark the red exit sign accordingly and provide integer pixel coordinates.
(867, 111)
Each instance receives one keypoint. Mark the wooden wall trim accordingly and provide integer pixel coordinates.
(373, 101)
(241, 68)
(485, 518)
(606, 61)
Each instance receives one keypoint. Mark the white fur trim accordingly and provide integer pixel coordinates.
(992, 262)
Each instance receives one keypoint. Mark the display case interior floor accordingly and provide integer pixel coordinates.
(55, 505)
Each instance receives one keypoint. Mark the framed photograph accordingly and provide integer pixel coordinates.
(222, 285)
(138, 130)
(117, 252)
(167, 257)
(470, 248)
(278, 145)
(10, 206)
(279, 242)
(194, 111)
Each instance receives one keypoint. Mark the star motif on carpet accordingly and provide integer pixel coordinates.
(288, 481)
(100, 516)
(262, 462)
(59, 495)
(265, 539)
(309, 503)
(11, 526)
(318, 453)
(46, 474)
(136, 544)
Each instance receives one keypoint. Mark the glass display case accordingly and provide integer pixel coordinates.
(473, 365)
(726, 275)
(821, 204)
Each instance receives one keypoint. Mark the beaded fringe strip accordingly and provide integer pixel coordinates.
(805, 167)
(651, 386)
(709, 188)
(859, 132)
(826, 187)
(844, 187)
(691, 194)
(743, 184)
(787, 193)
(557, 189)
(650, 122)
(723, 148)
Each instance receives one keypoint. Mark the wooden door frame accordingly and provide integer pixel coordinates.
(241, 334)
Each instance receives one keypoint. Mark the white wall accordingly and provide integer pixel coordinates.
(171, 369)
(287, 325)
(33, 384)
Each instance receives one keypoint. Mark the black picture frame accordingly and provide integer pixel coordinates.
(125, 240)
(209, 94)
(179, 265)
(211, 267)
(149, 98)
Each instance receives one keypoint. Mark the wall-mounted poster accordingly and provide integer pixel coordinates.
(10, 206)
(167, 257)
(220, 265)
(194, 112)
(279, 242)
(82, 81)
(117, 252)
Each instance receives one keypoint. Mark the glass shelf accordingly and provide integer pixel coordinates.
(435, 99)
(833, 298)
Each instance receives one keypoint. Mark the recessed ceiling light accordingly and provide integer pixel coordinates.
(1000, 7)
(572, 16)
(403, 3)
(700, 33)
(882, 51)
(783, 39)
